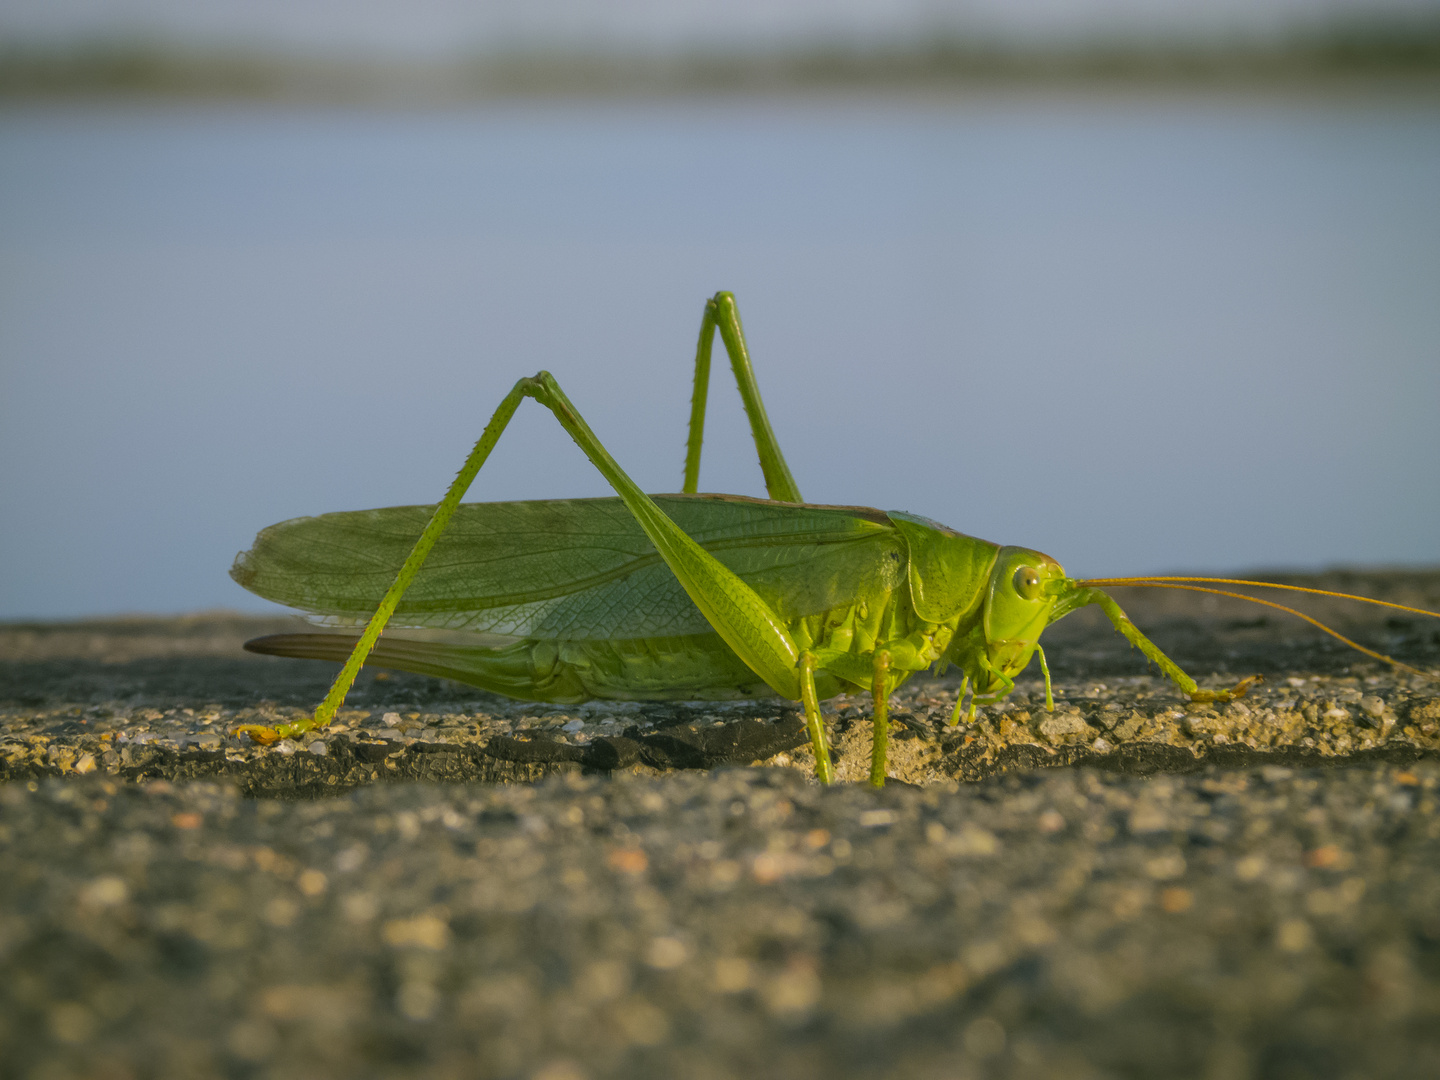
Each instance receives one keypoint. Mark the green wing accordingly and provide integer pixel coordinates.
(571, 569)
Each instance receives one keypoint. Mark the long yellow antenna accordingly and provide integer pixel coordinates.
(1172, 583)
(1153, 579)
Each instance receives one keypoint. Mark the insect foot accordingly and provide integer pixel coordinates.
(263, 735)
(1237, 691)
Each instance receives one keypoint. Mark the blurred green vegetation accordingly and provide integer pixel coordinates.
(1342, 51)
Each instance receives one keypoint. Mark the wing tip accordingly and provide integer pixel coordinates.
(242, 570)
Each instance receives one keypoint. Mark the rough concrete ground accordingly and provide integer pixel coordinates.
(742, 922)
(1127, 887)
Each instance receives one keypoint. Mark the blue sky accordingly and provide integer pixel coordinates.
(1140, 333)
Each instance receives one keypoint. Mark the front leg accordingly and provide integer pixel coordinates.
(1132, 634)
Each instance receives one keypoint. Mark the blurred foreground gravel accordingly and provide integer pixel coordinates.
(742, 922)
(1132, 886)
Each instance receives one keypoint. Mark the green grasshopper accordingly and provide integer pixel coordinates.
(678, 597)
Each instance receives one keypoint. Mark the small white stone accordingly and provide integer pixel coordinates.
(573, 725)
(318, 748)
(1373, 706)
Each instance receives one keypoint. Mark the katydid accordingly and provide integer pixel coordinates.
(675, 597)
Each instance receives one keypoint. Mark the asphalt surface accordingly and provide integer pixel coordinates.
(458, 885)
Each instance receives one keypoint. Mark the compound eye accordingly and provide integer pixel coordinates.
(1027, 583)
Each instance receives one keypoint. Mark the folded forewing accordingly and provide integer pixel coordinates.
(569, 569)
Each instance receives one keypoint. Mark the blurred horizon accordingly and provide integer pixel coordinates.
(451, 49)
